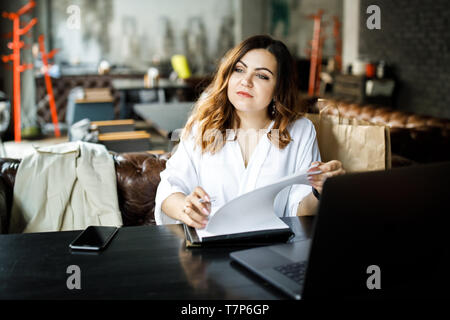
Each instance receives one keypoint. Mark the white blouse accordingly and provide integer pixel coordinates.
(224, 176)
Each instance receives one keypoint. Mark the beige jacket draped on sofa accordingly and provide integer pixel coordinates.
(65, 187)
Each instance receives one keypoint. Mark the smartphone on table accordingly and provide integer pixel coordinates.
(94, 238)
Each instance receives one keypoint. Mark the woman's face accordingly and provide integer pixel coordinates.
(252, 83)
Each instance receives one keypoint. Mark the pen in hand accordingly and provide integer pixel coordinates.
(212, 200)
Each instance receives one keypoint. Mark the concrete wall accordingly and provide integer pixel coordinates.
(350, 39)
(251, 17)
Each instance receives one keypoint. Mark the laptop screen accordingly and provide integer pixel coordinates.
(392, 223)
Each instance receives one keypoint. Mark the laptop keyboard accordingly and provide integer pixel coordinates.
(294, 271)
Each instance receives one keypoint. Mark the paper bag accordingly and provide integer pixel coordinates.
(359, 145)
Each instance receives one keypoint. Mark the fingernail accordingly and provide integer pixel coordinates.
(205, 211)
(207, 199)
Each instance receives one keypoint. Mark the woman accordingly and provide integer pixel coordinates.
(246, 132)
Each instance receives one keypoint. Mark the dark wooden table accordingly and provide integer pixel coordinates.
(146, 262)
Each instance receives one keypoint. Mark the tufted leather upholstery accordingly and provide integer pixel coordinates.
(416, 137)
(137, 181)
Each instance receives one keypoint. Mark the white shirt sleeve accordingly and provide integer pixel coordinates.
(180, 175)
(309, 152)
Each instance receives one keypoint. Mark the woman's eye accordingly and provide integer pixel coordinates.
(238, 69)
(261, 76)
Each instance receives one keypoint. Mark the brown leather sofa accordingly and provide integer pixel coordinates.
(137, 181)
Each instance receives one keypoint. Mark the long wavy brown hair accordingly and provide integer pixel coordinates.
(214, 114)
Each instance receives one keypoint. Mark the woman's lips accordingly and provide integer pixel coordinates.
(244, 94)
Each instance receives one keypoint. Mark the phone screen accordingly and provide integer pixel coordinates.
(94, 238)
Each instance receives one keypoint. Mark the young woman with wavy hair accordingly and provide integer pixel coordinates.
(247, 130)
(215, 111)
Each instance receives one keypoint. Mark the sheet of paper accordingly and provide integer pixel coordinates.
(252, 211)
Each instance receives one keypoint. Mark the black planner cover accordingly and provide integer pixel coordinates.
(261, 237)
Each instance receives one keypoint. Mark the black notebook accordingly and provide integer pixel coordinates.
(261, 237)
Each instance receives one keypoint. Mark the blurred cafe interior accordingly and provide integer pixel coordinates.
(127, 73)
(124, 75)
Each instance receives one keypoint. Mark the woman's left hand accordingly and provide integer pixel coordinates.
(329, 169)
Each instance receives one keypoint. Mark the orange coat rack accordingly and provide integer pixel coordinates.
(15, 46)
(48, 82)
(316, 53)
(338, 42)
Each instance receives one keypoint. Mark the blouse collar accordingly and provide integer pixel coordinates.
(231, 133)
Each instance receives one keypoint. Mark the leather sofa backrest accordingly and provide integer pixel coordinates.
(137, 181)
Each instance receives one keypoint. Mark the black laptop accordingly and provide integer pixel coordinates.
(380, 234)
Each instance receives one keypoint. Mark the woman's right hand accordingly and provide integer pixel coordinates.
(195, 213)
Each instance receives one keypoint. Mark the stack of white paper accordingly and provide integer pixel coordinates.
(252, 211)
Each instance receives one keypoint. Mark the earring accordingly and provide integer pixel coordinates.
(273, 107)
